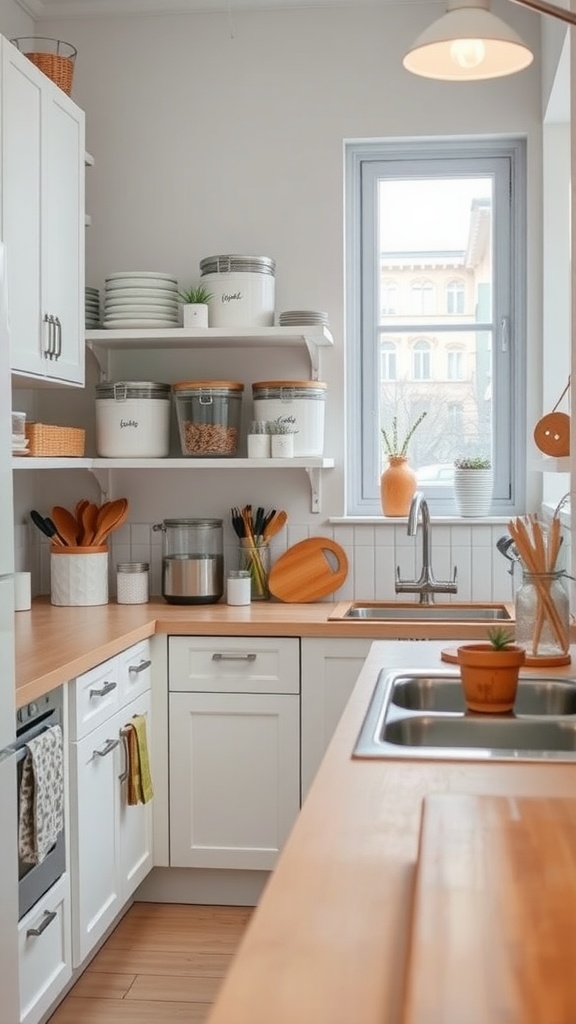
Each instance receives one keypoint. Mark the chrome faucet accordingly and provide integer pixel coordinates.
(426, 585)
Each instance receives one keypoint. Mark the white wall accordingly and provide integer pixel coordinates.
(214, 134)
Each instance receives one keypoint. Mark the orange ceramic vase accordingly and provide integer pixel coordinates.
(490, 677)
(397, 486)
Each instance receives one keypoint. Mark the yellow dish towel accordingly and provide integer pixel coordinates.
(140, 788)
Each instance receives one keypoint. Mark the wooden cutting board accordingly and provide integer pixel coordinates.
(308, 571)
(494, 916)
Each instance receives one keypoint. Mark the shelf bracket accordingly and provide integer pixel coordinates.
(100, 358)
(104, 481)
(314, 477)
(314, 357)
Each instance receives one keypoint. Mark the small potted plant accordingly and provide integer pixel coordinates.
(195, 306)
(490, 672)
(398, 481)
(473, 483)
(282, 432)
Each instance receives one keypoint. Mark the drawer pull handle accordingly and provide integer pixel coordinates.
(49, 916)
(107, 688)
(108, 747)
(233, 657)
(140, 668)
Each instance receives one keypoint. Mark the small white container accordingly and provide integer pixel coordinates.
(238, 587)
(305, 400)
(22, 591)
(79, 576)
(133, 420)
(132, 582)
(282, 446)
(242, 289)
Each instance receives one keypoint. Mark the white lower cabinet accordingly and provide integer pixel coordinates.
(111, 841)
(234, 725)
(45, 953)
(330, 668)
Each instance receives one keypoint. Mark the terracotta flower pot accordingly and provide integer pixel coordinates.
(397, 486)
(489, 676)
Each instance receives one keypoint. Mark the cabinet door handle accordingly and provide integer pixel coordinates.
(49, 350)
(233, 657)
(124, 773)
(107, 688)
(140, 668)
(108, 747)
(49, 916)
(58, 340)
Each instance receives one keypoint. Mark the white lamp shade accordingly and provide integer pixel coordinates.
(468, 43)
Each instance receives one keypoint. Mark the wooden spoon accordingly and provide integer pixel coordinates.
(112, 517)
(275, 525)
(65, 523)
(89, 521)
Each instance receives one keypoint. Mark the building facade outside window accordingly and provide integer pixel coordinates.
(432, 226)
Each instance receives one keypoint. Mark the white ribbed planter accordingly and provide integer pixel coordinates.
(473, 491)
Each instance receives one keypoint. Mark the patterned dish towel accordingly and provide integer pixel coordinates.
(140, 788)
(41, 817)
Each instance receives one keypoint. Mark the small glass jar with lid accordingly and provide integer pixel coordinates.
(132, 582)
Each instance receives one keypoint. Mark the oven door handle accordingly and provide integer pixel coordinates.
(49, 916)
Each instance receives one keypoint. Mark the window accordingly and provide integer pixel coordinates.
(388, 298)
(455, 362)
(422, 296)
(421, 361)
(455, 297)
(388, 360)
(444, 222)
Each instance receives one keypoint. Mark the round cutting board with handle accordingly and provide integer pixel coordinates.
(308, 571)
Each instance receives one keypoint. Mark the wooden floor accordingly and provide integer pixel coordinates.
(163, 963)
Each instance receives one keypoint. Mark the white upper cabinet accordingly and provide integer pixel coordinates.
(42, 203)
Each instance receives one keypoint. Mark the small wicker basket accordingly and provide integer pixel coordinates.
(48, 440)
(53, 57)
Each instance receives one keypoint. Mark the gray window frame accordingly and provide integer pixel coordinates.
(365, 161)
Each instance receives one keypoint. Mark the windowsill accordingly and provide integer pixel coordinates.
(443, 520)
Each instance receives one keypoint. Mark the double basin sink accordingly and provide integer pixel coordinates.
(422, 714)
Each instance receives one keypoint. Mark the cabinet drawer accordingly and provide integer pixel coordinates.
(234, 664)
(44, 948)
(134, 672)
(94, 697)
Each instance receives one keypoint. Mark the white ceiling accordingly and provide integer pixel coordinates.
(107, 8)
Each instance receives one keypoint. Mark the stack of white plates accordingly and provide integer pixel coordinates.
(141, 299)
(92, 308)
(302, 317)
(20, 444)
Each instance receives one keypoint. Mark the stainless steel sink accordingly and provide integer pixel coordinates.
(421, 714)
(410, 611)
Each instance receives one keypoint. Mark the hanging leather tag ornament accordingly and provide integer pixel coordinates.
(552, 432)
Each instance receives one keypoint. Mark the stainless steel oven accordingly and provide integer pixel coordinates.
(35, 879)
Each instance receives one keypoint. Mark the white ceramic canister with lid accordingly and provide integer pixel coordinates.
(305, 400)
(242, 289)
(133, 420)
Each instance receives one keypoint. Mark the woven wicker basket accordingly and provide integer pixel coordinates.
(48, 440)
(53, 57)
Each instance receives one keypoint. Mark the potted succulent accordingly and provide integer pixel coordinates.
(490, 671)
(398, 481)
(195, 306)
(473, 483)
(282, 432)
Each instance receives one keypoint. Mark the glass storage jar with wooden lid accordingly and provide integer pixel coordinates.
(208, 413)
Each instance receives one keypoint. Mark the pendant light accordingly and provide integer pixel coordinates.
(469, 43)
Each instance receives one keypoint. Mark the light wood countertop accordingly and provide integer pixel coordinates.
(55, 644)
(328, 942)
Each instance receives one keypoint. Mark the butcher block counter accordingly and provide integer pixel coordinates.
(329, 942)
(54, 644)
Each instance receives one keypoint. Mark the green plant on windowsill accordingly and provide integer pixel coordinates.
(473, 462)
(396, 449)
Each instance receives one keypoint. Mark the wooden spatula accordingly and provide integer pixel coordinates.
(65, 523)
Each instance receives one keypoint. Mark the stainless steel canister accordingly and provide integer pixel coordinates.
(192, 560)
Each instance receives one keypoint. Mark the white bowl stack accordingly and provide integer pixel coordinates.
(141, 299)
(302, 318)
(91, 308)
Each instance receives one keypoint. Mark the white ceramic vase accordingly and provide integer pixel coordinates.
(473, 492)
(282, 446)
(195, 314)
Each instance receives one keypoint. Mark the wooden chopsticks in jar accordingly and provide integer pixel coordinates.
(538, 550)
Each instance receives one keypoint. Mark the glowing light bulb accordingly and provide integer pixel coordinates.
(467, 53)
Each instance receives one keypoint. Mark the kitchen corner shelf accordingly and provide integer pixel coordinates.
(100, 467)
(314, 338)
